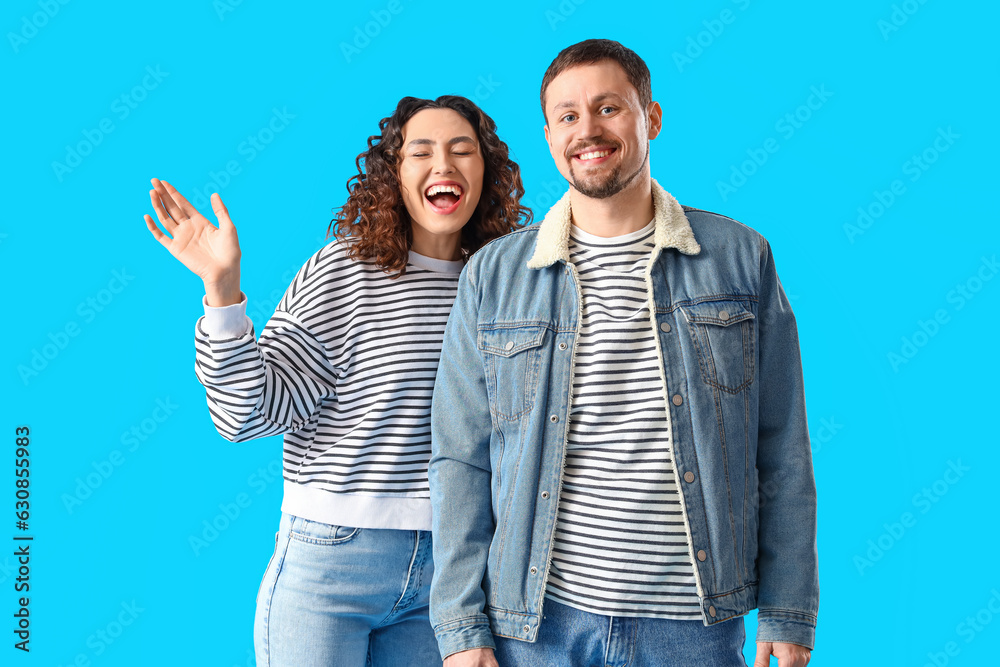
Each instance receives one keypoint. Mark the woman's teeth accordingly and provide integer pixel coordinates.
(438, 189)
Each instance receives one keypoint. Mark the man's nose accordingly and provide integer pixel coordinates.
(588, 127)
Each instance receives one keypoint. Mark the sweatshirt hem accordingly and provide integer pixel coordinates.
(356, 511)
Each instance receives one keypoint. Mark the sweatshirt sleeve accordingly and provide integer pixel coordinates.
(261, 388)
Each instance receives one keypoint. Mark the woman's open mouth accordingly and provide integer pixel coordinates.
(443, 198)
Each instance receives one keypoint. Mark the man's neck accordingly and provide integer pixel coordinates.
(628, 211)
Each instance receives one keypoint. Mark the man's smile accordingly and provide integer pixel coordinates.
(593, 155)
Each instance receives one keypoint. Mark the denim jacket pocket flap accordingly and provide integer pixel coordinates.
(720, 313)
(507, 342)
(511, 355)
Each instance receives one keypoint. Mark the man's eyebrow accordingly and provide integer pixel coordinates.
(452, 141)
(597, 99)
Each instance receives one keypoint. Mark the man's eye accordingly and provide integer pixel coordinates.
(569, 118)
(607, 109)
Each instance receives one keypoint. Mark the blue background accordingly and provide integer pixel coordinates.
(907, 549)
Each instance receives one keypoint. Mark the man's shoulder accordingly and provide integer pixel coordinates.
(713, 229)
(711, 219)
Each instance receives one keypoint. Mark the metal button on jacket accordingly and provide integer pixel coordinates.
(689, 477)
(677, 400)
(711, 612)
(509, 346)
(723, 315)
(665, 327)
(702, 555)
(562, 346)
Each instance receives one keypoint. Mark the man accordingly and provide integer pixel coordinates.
(621, 465)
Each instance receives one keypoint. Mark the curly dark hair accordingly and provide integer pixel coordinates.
(374, 219)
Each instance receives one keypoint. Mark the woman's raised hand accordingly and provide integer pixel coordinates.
(212, 253)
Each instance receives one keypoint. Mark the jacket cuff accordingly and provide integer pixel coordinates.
(464, 635)
(789, 627)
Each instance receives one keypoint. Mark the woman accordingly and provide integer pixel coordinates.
(345, 369)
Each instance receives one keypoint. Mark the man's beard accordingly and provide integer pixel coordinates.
(610, 186)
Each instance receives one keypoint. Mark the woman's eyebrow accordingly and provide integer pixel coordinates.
(454, 140)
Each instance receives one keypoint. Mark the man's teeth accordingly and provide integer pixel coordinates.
(594, 154)
(438, 189)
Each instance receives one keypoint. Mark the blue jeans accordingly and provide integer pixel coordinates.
(335, 596)
(568, 637)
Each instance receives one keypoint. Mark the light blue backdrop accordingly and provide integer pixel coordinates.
(859, 137)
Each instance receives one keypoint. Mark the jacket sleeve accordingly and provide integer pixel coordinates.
(261, 388)
(788, 593)
(460, 482)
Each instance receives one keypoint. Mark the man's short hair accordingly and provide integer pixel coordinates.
(592, 51)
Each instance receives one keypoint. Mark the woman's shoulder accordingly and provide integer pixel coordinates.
(327, 275)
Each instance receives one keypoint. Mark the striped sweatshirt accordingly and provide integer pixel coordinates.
(345, 370)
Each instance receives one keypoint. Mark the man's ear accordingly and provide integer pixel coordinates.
(655, 114)
(546, 128)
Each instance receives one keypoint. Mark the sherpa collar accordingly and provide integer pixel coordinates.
(672, 229)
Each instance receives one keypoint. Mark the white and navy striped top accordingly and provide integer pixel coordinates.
(620, 547)
(344, 369)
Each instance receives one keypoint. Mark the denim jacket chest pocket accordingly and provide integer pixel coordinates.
(724, 335)
(511, 355)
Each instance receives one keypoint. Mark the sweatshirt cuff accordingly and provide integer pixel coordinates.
(226, 321)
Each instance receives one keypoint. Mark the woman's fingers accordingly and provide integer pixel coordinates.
(171, 199)
(188, 211)
(169, 214)
(161, 214)
(157, 234)
(221, 212)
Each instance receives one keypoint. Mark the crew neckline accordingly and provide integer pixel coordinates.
(434, 264)
(580, 234)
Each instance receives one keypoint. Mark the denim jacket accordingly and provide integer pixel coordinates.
(733, 385)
